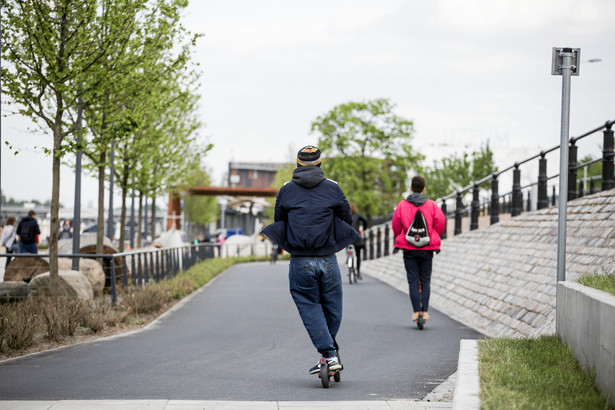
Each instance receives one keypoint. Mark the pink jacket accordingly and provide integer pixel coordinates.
(403, 215)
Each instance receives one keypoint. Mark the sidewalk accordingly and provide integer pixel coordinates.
(440, 398)
(218, 405)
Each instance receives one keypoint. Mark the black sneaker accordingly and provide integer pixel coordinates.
(315, 369)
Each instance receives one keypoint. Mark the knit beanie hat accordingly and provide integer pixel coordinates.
(309, 155)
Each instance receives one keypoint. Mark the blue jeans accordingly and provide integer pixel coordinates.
(418, 267)
(316, 288)
(28, 248)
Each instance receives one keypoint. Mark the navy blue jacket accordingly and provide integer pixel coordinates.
(312, 215)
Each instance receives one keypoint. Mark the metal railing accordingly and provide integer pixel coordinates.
(139, 267)
(378, 238)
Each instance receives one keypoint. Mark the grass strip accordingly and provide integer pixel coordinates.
(605, 283)
(537, 373)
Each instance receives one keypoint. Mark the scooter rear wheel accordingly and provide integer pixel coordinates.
(420, 322)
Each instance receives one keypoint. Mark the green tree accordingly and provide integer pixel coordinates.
(200, 209)
(458, 171)
(49, 47)
(146, 84)
(367, 150)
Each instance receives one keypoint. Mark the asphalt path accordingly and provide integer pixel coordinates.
(241, 338)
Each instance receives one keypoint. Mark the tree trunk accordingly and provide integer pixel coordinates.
(55, 206)
(123, 212)
(153, 226)
(100, 225)
(140, 223)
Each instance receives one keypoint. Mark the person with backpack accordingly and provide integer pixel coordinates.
(417, 224)
(28, 229)
(312, 223)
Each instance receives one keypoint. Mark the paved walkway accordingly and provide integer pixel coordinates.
(219, 405)
(439, 398)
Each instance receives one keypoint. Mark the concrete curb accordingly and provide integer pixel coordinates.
(467, 389)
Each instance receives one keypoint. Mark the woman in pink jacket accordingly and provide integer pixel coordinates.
(418, 261)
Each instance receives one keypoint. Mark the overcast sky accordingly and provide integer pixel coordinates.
(464, 71)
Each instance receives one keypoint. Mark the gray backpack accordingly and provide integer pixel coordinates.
(417, 234)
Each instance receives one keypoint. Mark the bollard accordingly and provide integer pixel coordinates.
(113, 289)
(387, 228)
(517, 196)
(495, 201)
(146, 268)
(443, 207)
(543, 199)
(474, 209)
(371, 244)
(458, 213)
(608, 181)
(572, 169)
(124, 273)
(134, 271)
(553, 197)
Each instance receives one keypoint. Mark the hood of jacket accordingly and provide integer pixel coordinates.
(308, 176)
(416, 199)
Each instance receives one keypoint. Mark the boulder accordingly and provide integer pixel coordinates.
(71, 284)
(90, 268)
(87, 243)
(24, 269)
(65, 246)
(13, 291)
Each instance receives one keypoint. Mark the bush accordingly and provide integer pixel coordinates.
(147, 299)
(62, 316)
(19, 323)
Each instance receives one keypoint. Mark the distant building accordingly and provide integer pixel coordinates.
(253, 174)
(243, 214)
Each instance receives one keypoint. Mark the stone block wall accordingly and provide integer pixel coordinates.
(585, 323)
(501, 280)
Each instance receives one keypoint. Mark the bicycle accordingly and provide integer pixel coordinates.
(351, 263)
(274, 253)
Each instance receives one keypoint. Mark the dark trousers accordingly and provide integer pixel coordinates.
(8, 258)
(358, 250)
(418, 271)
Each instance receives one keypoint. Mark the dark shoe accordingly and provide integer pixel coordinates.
(315, 369)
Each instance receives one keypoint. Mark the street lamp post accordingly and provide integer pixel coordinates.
(565, 62)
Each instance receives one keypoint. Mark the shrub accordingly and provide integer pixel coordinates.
(19, 323)
(146, 299)
(62, 316)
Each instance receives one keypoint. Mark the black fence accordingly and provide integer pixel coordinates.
(139, 267)
(379, 238)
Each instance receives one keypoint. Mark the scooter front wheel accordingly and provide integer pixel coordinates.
(324, 374)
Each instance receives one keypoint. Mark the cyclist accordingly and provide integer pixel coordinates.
(359, 223)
